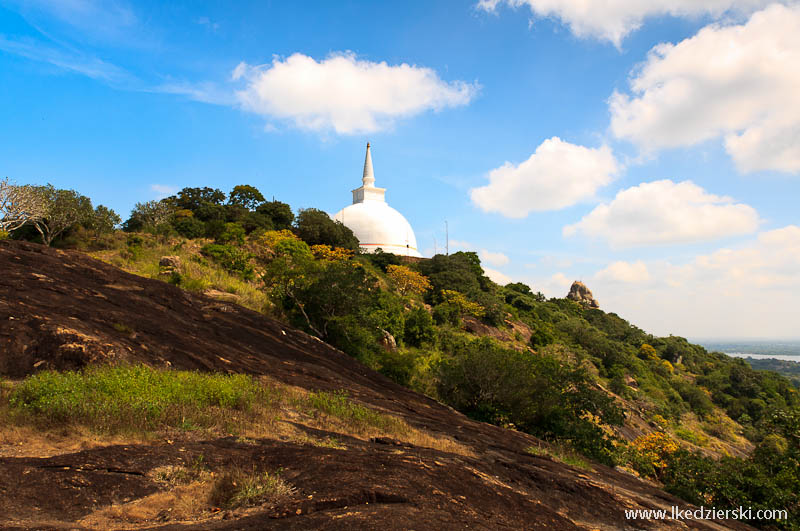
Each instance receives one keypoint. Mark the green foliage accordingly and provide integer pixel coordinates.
(61, 210)
(102, 221)
(459, 271)
(542, 335)
(189, 227)
(149, 215)
(419, 328)
(315, 227)
(232, 259)
(447, 314)
(538, 394)
(130, 398)
(233, 235)
(279, 214)
(382, 259)
(4, 235)
(195, 199)
(245, 196)
(388, 313)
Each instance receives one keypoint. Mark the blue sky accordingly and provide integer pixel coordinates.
(651, 149)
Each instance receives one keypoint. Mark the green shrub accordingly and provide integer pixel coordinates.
(539, 394)
(233, 234)
(419, 327)
(190, 227)
(232, 259)
(447, 313)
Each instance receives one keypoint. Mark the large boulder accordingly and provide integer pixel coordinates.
(582, 295)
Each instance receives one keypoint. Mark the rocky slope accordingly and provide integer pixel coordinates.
(64, 310)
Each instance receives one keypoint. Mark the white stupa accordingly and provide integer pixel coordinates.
(376, 224)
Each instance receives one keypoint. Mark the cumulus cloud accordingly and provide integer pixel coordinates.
(612, 20)
(734, 82)
(625, 272)
(345, 94)
(748, 291)
(557, 175)
(665, 212)
(496, 276)
(496, 259)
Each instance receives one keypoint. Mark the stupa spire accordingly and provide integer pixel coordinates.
(369, 177)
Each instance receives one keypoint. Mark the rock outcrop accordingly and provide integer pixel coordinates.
(583, 295)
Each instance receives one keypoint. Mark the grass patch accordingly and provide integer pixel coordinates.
(355, 416)
(139, 401)
(240, 488)
(132, 398)
(560, 454)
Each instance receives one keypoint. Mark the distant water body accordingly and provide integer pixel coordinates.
(781, 350)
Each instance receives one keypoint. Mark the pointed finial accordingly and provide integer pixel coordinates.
(369, 178)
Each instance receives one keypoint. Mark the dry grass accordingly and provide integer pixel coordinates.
(246, 488)
(183, 503)
(561, 454)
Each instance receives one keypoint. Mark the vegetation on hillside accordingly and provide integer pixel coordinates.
(553, 368)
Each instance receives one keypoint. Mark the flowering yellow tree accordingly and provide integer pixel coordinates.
(407, 280)
(655, 449)
(331, 254)
(464, 305)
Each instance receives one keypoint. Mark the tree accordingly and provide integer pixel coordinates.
(62, 210)
(419, 327)
(149, 215)
(539, 394)
(103, 221)
(331, 254)
(18, 205)
(245, 196)
(194, 198)
(408, 280)
(316, 227)
(280, 214)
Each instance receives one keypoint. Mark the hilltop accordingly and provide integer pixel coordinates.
(64, 310)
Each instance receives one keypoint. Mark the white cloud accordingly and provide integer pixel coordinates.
(665, 212)
(625, 272)
(734, 82)
(557, 175)
(345, 94)
(163, 190)
(612, 20)
(496, 259)
(496, 276)
(749, 291)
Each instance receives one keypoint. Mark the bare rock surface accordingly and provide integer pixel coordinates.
(579, 293)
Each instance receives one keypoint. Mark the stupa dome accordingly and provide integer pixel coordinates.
(375, 223)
